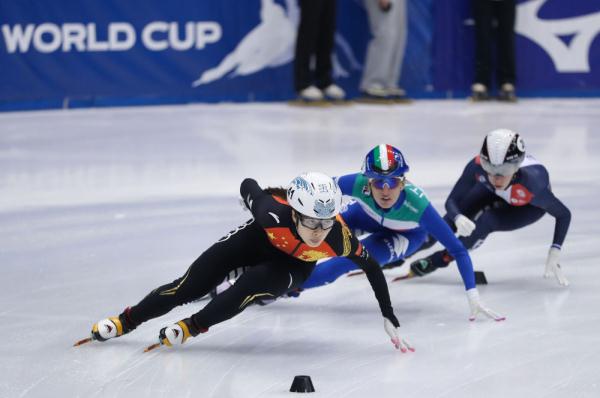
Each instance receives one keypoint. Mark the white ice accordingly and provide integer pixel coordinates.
(100, 206)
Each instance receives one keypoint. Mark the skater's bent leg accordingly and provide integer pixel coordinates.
(203, 275)
(268, 280)
(195, 283)
(390, 247)
(503, 218)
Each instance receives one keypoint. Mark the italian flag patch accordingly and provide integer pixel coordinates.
(384, 157)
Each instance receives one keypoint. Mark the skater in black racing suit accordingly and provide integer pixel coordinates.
(278, 247)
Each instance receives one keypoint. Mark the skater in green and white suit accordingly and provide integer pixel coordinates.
(397, 216)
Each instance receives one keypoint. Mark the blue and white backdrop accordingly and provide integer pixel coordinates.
(72, 53)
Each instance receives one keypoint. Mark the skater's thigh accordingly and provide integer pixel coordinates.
(235, 250)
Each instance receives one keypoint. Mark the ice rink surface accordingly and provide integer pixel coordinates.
(100, 206)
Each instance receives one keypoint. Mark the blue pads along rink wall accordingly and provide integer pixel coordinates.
(78, 53)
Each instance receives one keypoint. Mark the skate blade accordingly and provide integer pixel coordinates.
(151, 347)
(355, 273)
(404, 277)
(83, 341)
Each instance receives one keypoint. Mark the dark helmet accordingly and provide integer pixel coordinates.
(384, 161)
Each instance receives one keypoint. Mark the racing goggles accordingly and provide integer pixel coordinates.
(505, 169)
(314, 223)
(391, 182)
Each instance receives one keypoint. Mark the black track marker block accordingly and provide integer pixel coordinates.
(302, 384)
(480, 278)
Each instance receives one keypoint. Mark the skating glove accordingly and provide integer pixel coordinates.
(553, 268)
(398, 341)
(464, 225)
(478, 307)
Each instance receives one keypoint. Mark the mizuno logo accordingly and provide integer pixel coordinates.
(568, 56)
(270, 44)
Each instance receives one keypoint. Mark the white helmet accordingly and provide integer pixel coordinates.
(315, 195)
(502, 152)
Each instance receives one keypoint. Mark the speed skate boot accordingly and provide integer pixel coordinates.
(109, 328)
(429, 264)
(393, 264)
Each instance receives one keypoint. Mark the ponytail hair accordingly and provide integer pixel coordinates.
(280, 192)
